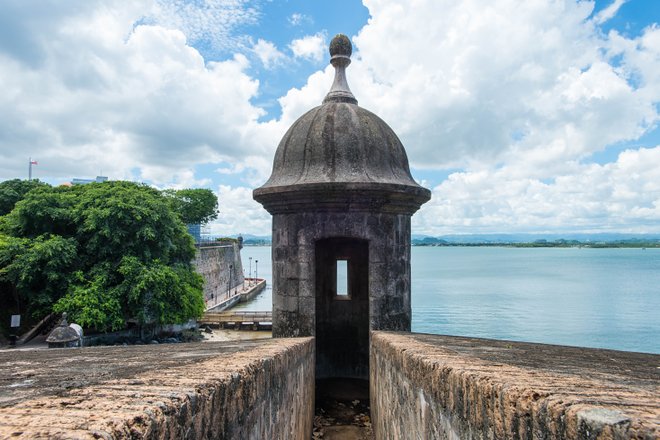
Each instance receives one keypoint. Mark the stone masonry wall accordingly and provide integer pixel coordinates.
(442, 387)
(294, 272)
(240, 390)
(212, 262)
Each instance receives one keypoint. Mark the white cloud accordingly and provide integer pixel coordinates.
(516, 95)
(484, 84)
(212, 22)
(298, 101)
(609, 12)
(310, 47)
(296, 19)
(138, 102)
(239, 213)
(267, 53)
(519, 96)
(640, 60)
(621, 196)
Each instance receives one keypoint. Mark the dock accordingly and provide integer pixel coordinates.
(250, 288)
(238, 320)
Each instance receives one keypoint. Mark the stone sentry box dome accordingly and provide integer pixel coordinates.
(341, 195)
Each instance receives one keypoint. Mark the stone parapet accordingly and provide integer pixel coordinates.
(238, 390)
(222, 269)
(442, 387)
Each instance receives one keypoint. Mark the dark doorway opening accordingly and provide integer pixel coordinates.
(342, 410)
(342, 308)
(342, 339)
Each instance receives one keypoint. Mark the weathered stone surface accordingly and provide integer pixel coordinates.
(340, 190)
(339, 147)
(213, 263)
(443, 387)
(239, 390)
(304, 247)
(294, 277)
(65, 335)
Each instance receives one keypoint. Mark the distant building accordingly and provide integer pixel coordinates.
(195, 229)
(98, 179)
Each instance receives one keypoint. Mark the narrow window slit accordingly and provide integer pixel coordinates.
(342, 279)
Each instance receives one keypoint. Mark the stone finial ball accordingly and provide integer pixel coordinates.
(341, 45)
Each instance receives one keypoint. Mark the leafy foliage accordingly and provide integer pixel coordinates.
(104, 252)
(93, 302)
(160, 293)
(46, 210)
(194, 205)
(37, 269)
(12, 191)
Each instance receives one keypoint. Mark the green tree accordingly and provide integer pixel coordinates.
(92, 301)
(104, 252)
(161, 293)
(12, 191)
(44, 210)
(194, 205)
(36, 270)
(117, 219)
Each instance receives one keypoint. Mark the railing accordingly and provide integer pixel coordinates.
(220, 298)
(237, 319)
(213, 243)
(45, 324)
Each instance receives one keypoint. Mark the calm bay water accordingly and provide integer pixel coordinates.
(606, 298)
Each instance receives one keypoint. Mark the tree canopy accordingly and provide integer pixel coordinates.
(104, 252)
(11, 191)
(193, 206)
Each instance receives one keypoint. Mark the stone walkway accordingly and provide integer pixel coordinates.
(342, 410)
(249, 286)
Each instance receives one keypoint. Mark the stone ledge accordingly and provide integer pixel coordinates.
(451, 387)
(251, 389)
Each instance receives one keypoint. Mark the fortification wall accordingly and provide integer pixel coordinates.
(441, 387)
(213, 263)
(238, 390)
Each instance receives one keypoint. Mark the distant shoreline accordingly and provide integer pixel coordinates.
(608, 245)
(552, 244)
(602, 242)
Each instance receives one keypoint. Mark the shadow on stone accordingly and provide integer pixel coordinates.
(342, 410)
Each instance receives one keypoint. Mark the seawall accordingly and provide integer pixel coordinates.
(443, 387)
(421, 387)
(213, 262)
(240, 390)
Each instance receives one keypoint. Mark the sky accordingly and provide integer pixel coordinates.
(520, 116)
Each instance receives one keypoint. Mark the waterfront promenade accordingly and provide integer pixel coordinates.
(241, 293)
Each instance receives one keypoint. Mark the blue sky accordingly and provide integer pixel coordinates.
(519, 116)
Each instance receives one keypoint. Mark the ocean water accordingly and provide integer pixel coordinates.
(605, 298)
(262, 269)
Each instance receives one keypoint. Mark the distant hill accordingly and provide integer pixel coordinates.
(254, 240)
(495, 239)
(566, 239)
(429, 241)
